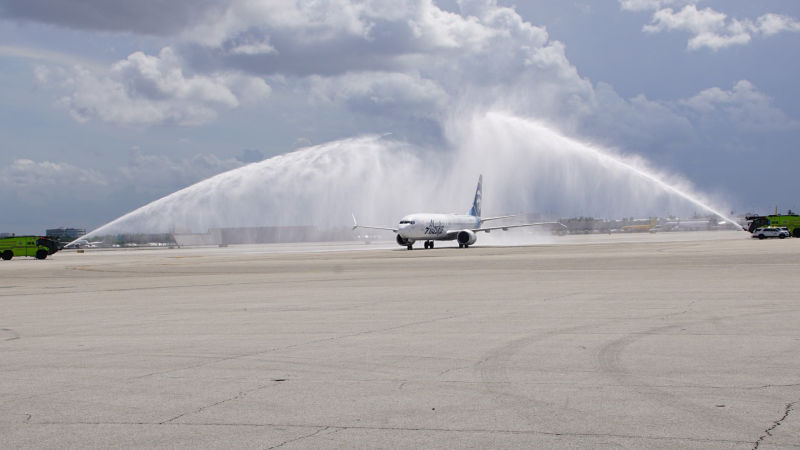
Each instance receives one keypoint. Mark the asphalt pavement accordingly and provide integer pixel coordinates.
(689, 340)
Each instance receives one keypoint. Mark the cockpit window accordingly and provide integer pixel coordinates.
(409, 222)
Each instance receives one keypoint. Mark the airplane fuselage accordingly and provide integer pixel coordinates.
(435, 227)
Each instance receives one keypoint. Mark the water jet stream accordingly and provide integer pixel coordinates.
(640, 171)
(527, 167)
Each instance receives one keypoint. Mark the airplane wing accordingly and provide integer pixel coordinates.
(375, 228)
(486, 219)
(356, 225)
(506, 227)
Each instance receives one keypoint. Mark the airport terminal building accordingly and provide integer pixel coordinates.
(65, 234)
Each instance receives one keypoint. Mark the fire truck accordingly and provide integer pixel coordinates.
(35, 246)
(790, 221)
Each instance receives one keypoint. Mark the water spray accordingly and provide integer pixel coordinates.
(527, 167)
(640, 171)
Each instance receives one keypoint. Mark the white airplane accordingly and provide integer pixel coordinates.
(447, 227)
(79, 243)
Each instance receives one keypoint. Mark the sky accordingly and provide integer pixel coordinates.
(107, 105)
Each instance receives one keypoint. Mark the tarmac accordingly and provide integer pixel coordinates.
(680, 340)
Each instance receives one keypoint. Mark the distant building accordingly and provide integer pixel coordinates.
(65, 234)
(6, 235)
(263, 235)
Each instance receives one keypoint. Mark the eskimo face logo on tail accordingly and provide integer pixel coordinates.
(476, 204)
(433, 228)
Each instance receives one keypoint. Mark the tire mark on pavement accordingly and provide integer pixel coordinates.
(7, 334)
(610, 363)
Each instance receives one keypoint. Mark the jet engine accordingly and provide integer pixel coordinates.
(466, 238)
(403, 241)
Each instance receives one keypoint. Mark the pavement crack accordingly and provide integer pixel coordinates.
(299, 344)
(767, 386)
(446, 371)
(776, 424)
(300, 438)
(238, 396)
(320, 428)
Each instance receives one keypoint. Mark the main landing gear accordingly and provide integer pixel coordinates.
(427, 245)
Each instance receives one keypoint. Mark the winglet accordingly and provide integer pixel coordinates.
(355, 222)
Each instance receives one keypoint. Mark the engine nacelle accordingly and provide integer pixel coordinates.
(403, 241)
(466, 237)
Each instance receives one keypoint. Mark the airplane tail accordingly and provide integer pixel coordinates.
(476, 204)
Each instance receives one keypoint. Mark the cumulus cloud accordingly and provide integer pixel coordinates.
(253, 48)
(638, 121)
(744, 105)
(149, 90)
(155, 17)
(39, 182)
(42, 190)
(34, 183)
(43, 55)
(250, 155)
(702, 127)
(689, 19)
(770, 24)
(162, 174)
(710, 28)
(405, 59)
(308, 22)
(39, 191)
(649, 5)
(383, 93)
(25, 173)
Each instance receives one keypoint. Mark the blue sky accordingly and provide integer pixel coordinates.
(108, 105)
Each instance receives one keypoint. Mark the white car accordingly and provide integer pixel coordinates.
(771, 232)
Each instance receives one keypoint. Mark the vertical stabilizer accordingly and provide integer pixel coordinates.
(476, 204)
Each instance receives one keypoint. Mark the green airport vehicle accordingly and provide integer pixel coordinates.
(790, 221)
(35, 246)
